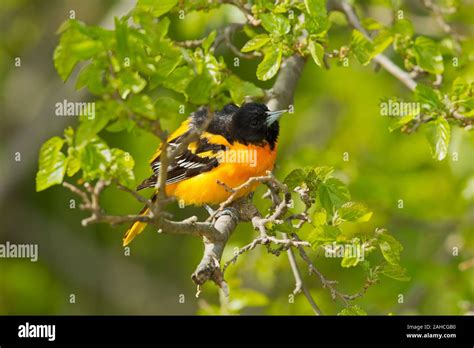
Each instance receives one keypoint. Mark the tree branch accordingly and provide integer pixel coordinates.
(382, 60)
(299, 282)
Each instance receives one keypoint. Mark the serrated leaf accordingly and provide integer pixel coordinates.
(427, 97)
(355, 212)
(52, 164)
(333, 193)
(428, 55)
(317, 52)
(256, 43)
(438, 133)
(362, 48)
(276, 24)
(295, 178)
(270, 64)
(383, 39)
(323, 173)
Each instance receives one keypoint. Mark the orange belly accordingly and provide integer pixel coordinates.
(239, 164)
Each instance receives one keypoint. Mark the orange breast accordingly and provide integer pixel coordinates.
(236, 166)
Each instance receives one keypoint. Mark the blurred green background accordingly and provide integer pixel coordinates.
(336, 112)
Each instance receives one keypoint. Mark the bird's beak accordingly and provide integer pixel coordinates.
(273, 116)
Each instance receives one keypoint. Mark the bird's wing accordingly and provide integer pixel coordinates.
(199, 157)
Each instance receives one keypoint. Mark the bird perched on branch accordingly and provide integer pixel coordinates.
(234, 144)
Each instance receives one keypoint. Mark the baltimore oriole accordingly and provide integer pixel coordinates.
(220, 156)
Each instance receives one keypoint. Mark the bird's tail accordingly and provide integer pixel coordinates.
(137, 227)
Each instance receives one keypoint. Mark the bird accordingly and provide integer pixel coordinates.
(237, 143)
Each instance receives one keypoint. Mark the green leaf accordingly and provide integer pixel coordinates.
(91, 76)
(395, 272)
(390, 247)
(353, 310)
(95, 158)
(381, 42)
(438, 133)
(123, 123)
(90, 126)
(404, 28)
(349, 260)
(355, 212)
(179, 79)
(333, 193)
(122, 167)
(255, 43)
(319, 218)
(318, 17)
(73, 47)
(121, 36)
(142, 105)
(323, 234)
(167, 107)
(73, 163)
(295, 178)
(317, 52)
(428, 97)
(398, 122)
(200, 88)
(69, 136)
(130, 82)
(316, 8)
(276, 24)
(362, 48)
(52, 164)
(239, 90)
(270, 64)
(157, 7)
(162, 27)
(428, 55)
(323, 173)
(207, 43)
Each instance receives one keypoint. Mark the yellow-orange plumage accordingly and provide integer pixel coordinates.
(237, 162)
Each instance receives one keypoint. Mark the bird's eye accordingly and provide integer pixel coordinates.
(253, 123)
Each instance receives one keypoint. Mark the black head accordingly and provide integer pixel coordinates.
(254, 124)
